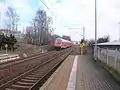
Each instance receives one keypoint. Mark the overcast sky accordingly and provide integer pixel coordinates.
(74, 14)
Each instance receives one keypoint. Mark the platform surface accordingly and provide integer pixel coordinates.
(89, 76)
(59, 80)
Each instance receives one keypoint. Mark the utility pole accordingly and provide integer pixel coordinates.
(95, 48)
(83, 33)
(119, 31)
(0, 21)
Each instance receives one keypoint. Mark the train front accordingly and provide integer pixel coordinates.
(57, 43)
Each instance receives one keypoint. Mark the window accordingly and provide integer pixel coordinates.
(58, 41)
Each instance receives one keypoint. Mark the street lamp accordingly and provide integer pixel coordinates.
(83, 32)
(119, 31)
(0, 21)
(95, 28)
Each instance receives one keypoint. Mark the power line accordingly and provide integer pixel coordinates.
(47, 8)
(51, 11)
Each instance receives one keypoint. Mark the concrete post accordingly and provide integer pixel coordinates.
(115, 60)
(81, 51)
(98, 53)
(107, 56)
(95, 30)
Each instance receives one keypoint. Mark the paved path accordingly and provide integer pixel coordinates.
(90, 76)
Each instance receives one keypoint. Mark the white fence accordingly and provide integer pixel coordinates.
(110, 57)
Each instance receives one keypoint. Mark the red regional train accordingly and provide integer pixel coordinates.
(59, 43)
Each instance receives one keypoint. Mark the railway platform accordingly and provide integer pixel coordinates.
(80, 73)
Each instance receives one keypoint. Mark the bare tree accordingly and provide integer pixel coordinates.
(40, 30)
(29, 34)
(43, 22)
(13, 18)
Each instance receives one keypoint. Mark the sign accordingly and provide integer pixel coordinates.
(82, 45)
(6, 45)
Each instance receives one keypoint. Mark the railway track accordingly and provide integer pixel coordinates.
(34, 77)
(12, 69)
(25, 59)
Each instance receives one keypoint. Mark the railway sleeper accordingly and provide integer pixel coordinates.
(17, 87)
(9, 89)
(36, 73)
(25, 83)
(36, 76)
(33, 78)
(28, 80)
(20, 87)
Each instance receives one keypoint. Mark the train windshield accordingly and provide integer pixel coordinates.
(58, 41)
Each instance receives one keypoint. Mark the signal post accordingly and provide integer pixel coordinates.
(81, 48)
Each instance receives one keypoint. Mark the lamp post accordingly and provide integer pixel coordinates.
(119, 31)
(0, 21)
(83, 33)
(95, 48)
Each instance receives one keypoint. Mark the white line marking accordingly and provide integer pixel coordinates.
(72, 79)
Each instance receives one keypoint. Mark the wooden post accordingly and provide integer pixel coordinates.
(6, 46)
(1, 47)
(6, 50)
(81, 48)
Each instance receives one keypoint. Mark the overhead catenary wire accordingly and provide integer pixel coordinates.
(50, 10)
